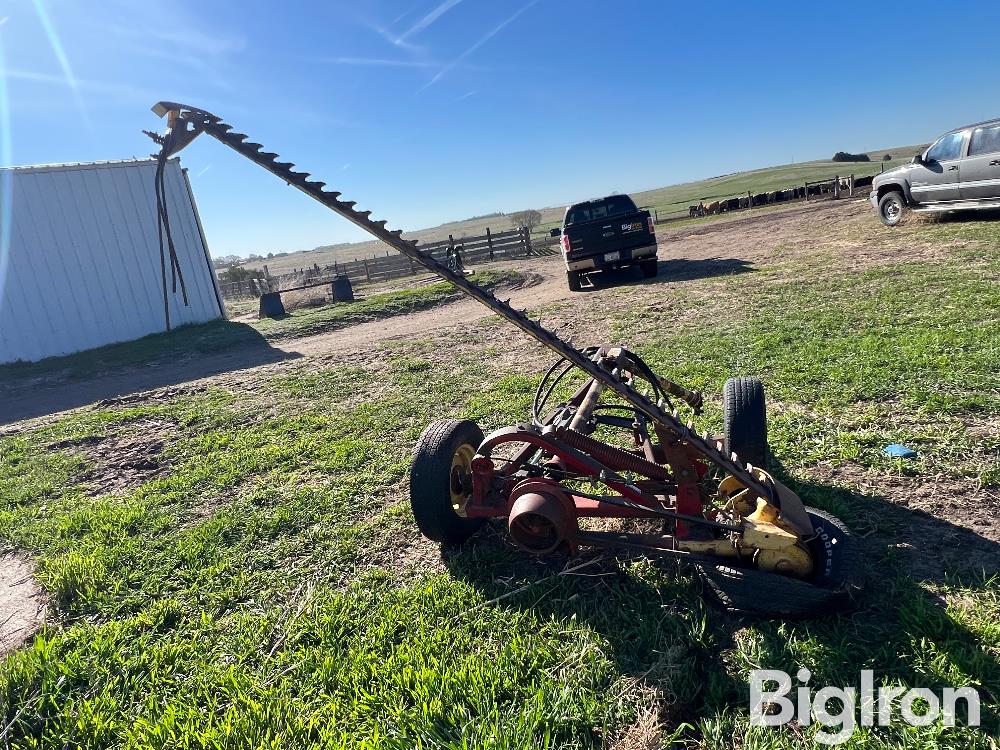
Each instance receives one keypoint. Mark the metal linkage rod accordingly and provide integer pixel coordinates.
(185, 123)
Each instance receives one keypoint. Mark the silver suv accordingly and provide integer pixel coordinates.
(960, 171)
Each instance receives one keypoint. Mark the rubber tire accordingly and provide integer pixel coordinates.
(430, 479)
(649, 268)
(893, 195)
(744, 420)
(832, 588)
(573, 280)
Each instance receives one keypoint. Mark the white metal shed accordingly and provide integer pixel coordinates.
(82, 266)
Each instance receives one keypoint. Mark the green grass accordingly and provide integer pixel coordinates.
(310, 321)
(267, 588)
(180, 343)
(222, 335)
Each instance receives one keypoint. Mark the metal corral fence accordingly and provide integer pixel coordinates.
(513, 243)
(833, 187)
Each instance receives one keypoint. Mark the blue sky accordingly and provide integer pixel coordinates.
(430, 110)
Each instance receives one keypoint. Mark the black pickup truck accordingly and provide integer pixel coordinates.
(607, 233)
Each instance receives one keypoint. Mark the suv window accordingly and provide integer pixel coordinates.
(614, 205)
(948, 147)
(985, 140)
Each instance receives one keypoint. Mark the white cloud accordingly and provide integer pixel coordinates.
(428, 19)
(379, 62)
(122, 90)
(492, 33)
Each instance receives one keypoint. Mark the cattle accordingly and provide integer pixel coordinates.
(712, 208)
(698, 210)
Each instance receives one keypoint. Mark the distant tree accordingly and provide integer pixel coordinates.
(526, 219)
(238, 273)
(845, 156)
(887, 157)
(224, 261)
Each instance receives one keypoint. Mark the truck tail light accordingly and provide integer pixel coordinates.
(565, 243)
(652, 225)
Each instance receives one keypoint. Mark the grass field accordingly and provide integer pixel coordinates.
(262, 584)
(668, 200)
(223, 335)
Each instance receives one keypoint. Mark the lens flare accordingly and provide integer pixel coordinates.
(60, 53)
(6, 178)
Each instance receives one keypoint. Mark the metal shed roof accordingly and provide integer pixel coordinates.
(83, 267)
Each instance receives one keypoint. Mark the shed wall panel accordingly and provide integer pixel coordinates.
(83, 266)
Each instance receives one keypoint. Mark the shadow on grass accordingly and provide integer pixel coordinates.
(660, 632)
(162, 359)
(672, 269)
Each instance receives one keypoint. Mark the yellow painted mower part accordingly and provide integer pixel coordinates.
(461, 466)
(794, 560)
(777, 543)
(793, 512)
(719, 547)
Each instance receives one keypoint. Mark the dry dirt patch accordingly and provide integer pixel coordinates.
(124, 459)
(22, 601)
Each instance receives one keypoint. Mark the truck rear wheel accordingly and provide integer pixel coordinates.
(649, 268)
(890, 208)
(573, 280)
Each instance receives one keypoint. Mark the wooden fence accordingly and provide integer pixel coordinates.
(484, 248)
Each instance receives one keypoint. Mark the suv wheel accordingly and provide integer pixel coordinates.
(573, 280)
(890, 208)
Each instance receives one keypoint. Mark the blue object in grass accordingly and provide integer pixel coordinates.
(899, 451)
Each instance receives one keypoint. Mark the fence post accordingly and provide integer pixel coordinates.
(836, 186)
(525, 241)
(807, 190)
(850, 187)
(489, 242)
(368, 274)
(749, 201)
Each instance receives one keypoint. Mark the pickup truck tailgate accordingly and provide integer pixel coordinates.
(609, 235)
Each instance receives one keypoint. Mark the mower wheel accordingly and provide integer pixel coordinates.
(744, 419)
(649, 268)
(832, 587)
(573, 281)
(441, 480)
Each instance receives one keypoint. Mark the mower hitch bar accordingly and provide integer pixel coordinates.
(747, 534)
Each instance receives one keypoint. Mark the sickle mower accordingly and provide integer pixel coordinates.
(616, 448)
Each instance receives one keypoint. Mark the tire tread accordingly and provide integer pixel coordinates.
(430, 474)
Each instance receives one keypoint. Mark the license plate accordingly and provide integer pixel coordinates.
(608, 257)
